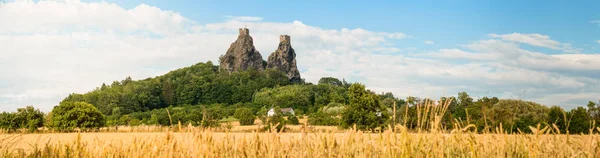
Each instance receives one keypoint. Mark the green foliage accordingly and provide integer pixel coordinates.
(558, 117)
(334, 109)
(517, 114)
(201, 95)
(330, 81)
(294, 96)
(363, 109)
(276, 120)
(245, 116)
(8, 122)
(206, 116)
(579, 121)
(323, 119)
(68, 116)
(262, 114)
(29, 118)
(594, 111)
(202, 83)
(293, 120)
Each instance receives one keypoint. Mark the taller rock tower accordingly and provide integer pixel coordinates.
(242, 55)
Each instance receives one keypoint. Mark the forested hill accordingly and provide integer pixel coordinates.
(201, 83)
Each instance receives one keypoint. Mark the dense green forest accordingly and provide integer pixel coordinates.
(202, 95)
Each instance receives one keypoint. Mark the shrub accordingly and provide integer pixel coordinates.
(211, 117)
(7, 121)
(29, 118)
(68, 116)
(293, 120)
(322, 119)
(277, 121)
(245, 116)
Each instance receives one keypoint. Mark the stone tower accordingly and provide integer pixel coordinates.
(284, 59)
(242, 55)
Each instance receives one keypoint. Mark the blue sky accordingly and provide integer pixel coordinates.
(544, 51)
(449, 23)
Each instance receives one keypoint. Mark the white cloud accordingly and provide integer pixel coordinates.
(598, 41)
(537, 40)
(503, 67)
(244, 18)
(87, 44)
(595, 22)
(429, 42)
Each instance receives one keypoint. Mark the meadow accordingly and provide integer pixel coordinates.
(429, 139)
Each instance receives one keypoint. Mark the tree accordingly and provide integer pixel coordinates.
(68, 116)
(330, 81)
(579, 120)
(294, 96)
(245, 116)
(458, 110)
(557, 116)
(515, 115)
(7, 121)
(363, 109)
(594, 111)
(29, 118)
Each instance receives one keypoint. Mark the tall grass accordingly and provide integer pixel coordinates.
(430, 140)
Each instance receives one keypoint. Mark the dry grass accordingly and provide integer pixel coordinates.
(429, 140)
(205, 143)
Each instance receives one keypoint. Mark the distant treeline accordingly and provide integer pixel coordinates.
(202, 95)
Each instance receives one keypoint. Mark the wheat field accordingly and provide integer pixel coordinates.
(428, 139)
(196, 142)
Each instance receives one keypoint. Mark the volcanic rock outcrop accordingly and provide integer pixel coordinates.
(242, 55)
(284, 59)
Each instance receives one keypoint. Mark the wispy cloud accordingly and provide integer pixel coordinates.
(429, 42)
(244, 18)
(537, 40)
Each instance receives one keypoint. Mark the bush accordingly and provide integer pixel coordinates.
(29, 118)
(334, 108)
(277, 121)
(68, 116)
(7, 121)
(245, 116)
(293, 120)
(323, 119)
(211, 117)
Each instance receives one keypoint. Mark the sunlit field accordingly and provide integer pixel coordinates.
(196, 142)
(428, 139)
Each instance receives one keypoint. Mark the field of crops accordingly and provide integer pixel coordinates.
(194, 142)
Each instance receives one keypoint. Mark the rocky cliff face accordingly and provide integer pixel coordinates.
(242, 55)
(284, 59)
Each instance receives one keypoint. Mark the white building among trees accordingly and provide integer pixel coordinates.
(271, 111)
